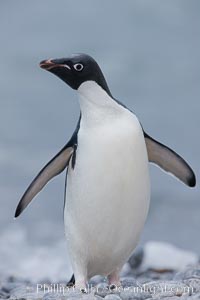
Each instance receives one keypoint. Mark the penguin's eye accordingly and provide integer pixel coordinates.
(78, 67)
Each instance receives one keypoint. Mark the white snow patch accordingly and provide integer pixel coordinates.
(37, 263)
(161, 255)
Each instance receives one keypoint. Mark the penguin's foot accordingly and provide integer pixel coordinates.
(70, 285)
(114, 280)
(71, 282)
(84, 291)
(81, 285)
(112, 287)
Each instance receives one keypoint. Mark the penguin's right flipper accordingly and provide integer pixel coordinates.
(169, 161)
(56, 165)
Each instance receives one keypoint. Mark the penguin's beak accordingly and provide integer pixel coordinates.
(53, 63)
(48, 64)
(59, 67)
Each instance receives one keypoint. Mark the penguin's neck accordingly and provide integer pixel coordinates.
(96, 105)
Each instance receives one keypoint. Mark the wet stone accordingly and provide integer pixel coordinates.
(26, 292)
(4, 295)
(129, 281)
(167, 288)
(96, 280)
(98, 297)
(150, 284)
(89, 296)
(9, 286)
(102, 289)
(129, 295)
(112, 297)
(158, 297)
(194, 284)
(194, 297)
(154, 275)
(53, 296)
(191, 272)
(136, 258)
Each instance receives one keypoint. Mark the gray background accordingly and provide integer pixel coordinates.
(149, 53)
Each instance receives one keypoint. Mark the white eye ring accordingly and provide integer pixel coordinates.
(78, 67)
(66, 66)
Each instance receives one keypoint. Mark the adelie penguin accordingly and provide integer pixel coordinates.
(108, 185)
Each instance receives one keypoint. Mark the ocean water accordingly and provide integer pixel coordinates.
(149, 53)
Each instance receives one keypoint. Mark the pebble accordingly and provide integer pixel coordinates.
(136, 258)
(55, 296)
(129, 281)
(151, 275)
(194, 297)
(88, 297)
(189, 272)
(194, 284)
(112, 297)
(102, 289)
(184, 297)
(4, 295)
(139, 285)
(167, 288)
(129, 295)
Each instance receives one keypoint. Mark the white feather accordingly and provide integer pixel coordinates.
(108, 192)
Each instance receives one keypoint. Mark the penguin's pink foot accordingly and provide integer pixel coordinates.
(81, 285)
(114, 280)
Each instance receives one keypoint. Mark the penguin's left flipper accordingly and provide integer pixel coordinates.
(169, 161)
(54, 167)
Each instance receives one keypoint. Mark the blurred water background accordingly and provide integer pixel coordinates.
(149, 53)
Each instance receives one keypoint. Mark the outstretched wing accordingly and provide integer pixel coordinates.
(56, 165)
(169, 161)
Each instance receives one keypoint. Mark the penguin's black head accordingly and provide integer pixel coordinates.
(75, 70)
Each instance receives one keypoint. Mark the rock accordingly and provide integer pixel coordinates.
(189, 272)
(26, 292)
(136, 258)
(126, 270)
(96, 280)
(128, 282)
(152, 275)
(194, 284)
(163, 256)
(98, 297)
(71, 294)
(74, 293)
(112, 297)
(90, 296)
(102, 289)
(21, 298)
(9, 286)
(132, 289)
(144, 285)
(129, 295)
(166, 288)
(195, 297)
(4, 295)
(158, 297)
(54, 296)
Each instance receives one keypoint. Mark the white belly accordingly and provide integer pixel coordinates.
(107, 197)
